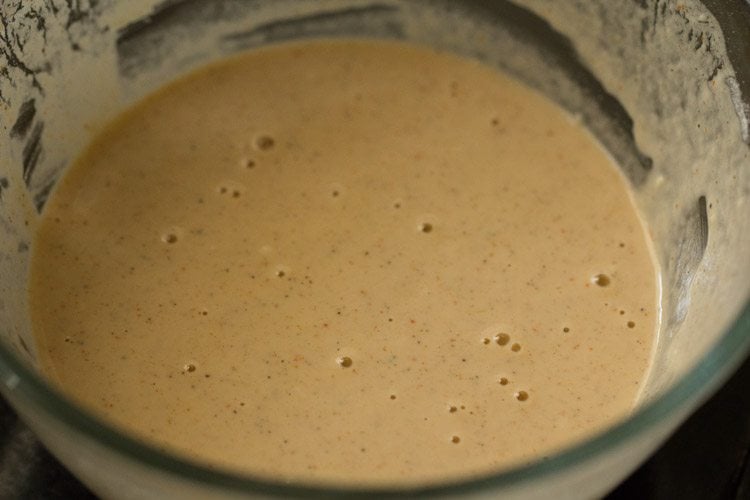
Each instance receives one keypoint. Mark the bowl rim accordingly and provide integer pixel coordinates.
(701, 379)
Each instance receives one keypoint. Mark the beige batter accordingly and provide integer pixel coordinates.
(361, 262)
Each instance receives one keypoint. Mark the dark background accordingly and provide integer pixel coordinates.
(707, 458)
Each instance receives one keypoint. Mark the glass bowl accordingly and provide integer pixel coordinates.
(663, 86)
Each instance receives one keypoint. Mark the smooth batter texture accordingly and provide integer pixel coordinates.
(348, 261)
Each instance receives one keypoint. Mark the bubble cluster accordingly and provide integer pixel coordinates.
(520, 395)
(234, 192)
(502, 339)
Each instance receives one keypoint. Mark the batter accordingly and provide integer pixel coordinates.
(347, 261)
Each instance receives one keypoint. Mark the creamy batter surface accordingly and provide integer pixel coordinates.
(351, 261)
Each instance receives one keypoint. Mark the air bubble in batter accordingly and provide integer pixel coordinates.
(601, 280)
(169, 238)
(264, 142)
(502, 338)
